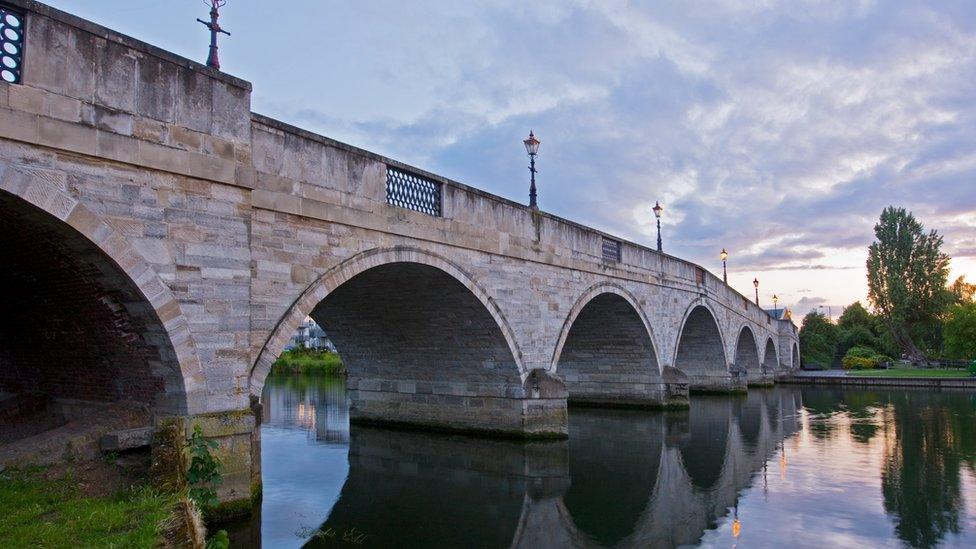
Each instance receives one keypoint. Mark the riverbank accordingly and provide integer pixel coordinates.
(912, 372)
(876, 378)
(309, 361)
(94, 504)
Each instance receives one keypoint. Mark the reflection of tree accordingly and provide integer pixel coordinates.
(863, 409)
(821, 405)
(927, 437)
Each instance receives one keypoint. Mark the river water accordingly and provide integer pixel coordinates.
(788, 466)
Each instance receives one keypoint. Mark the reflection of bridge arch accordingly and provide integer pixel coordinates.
(616, 473)
(507, 493)
(679, 512)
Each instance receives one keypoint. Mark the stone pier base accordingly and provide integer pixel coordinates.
(238, 450)
(667, 391)
(761, 380)
(717, 384)
(536, 409)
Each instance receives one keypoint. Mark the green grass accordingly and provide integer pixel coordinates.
(307, 361)
(911, 372)
(39, 512)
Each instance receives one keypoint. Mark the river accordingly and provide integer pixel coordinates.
(787, 466)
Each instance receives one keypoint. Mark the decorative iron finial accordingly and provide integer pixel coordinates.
(212, 60)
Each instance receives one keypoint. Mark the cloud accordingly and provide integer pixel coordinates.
(777, 130)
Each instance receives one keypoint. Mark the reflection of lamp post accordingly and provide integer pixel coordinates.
(782, 458)
(736, 523)
(755, 283)
(725, 275)
(532, 147)
(657, 213)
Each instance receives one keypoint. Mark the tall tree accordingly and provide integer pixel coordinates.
(907, 274)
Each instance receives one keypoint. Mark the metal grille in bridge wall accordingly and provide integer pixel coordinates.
(611, 249)
(412, 191)
(11, 44)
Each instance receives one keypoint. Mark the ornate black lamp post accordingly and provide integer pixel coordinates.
(755, 283)
(776, 306)
(657, 213)
(532, 147)
(725, 274)
(212, 60)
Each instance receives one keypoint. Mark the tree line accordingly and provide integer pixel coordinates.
(915, 314)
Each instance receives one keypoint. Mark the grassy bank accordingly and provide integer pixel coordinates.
(911, 372)
(308, 361)
(68, 508)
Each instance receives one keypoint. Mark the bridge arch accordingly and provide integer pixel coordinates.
(794, 356)
(699, 347)
(770, 356)
(605, 352)
(747, 352)
(80, 276)
(330, 281)
(418, 263)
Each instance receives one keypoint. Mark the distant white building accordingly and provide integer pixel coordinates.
(310, 336)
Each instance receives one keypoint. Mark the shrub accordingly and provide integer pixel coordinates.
(858, 363)
(308, 361)
(862, 358)
(972, 368)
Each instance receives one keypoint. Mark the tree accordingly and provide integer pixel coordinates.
(959, 332)
(855, 315)
(962, 291)
(858, 327)
(907, 274)
(818, 339)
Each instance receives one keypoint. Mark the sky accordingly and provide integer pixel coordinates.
(777, 130)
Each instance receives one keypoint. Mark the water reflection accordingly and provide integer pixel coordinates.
(806, 467)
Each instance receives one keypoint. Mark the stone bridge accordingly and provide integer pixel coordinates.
(161, 243)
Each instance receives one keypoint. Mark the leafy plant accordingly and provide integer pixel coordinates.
(220, 540)
(205, 471)
(972, 368)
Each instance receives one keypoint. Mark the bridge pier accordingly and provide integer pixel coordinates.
(760, 379)
(536, 409)
(666, 391)
(717, 383)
